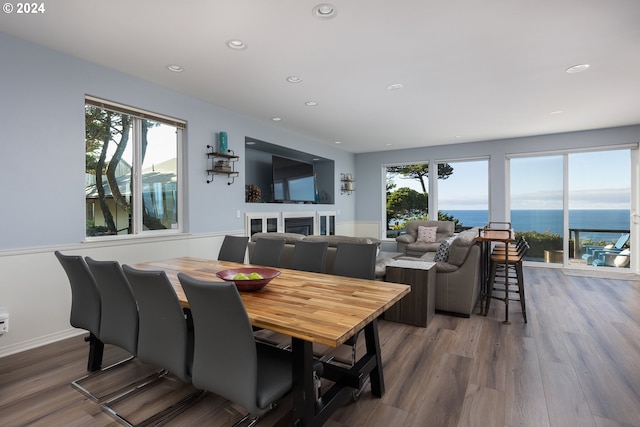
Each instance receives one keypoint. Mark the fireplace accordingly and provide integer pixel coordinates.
(300, 225)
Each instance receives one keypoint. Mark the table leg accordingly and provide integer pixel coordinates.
(373, 348)
(303, 384)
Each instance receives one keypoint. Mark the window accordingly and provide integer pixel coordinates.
(570, 206)
(132, 172)
(407, 188)
(463, 193)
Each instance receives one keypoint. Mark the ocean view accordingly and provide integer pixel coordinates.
(550, 221)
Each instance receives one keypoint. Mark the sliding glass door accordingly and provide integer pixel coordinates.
(574, 208)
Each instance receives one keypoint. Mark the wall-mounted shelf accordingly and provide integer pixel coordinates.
(347, 185)
(222, 164)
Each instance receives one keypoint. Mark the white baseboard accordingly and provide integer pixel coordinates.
(40, 341)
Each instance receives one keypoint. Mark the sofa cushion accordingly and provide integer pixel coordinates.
(442, 254)
(461, 245)
(290, 238)
(426, 234)
(333, 240)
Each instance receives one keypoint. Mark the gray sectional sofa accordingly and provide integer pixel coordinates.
(458, 275)
(291, 238)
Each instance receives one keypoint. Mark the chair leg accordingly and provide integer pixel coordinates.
(489, 296)
(521, 290)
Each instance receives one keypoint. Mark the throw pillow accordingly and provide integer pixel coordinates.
(427, 234)
(442, 254)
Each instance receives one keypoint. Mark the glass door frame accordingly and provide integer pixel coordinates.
(634, 220)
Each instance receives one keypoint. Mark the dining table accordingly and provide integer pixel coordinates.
(310, 308)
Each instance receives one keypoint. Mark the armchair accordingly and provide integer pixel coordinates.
(409, 245)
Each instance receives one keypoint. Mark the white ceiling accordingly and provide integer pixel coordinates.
(471, 70)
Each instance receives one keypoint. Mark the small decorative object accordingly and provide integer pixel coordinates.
(222, 137)
(223, 165)
(252, 193)
(347, 183)
(250, 278)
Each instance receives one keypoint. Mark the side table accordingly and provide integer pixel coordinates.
(418, 307)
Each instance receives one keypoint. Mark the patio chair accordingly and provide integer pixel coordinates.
(595, 256)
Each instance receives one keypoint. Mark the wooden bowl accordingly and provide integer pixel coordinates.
(252, 284)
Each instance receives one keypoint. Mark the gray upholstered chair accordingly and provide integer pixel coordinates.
(268, 252)
(309, 256)
(86, 313)
(227, 360)
(356, 260)
(233, 248)
(85, 303)
(165, 339)
(118, 317)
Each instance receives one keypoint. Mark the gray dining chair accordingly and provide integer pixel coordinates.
(119, 320)
(233, 249)
(86, 313)
(85, 303)
(268, 252)
(309, 256)
(227, 360)
(165, 339)
(357, 260)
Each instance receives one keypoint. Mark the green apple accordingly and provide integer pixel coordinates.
(255, 276)
(240, 276)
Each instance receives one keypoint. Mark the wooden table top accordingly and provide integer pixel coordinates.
(316, 307)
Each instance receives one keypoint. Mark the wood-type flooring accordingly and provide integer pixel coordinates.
(575, 363)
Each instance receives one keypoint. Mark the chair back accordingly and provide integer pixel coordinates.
(225, 359)
(85, 297)
(119, 311)
(233, 248)
(355, 260)
(268, 252)
(163, 337)
(622, 241)
(309, 256)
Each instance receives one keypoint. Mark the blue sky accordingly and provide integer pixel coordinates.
(597, 180)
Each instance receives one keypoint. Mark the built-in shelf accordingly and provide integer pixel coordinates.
(222, 164)
(347, 185)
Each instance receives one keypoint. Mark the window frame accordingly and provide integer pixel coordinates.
(138, 115)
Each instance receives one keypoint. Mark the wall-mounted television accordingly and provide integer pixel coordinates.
(293, 180)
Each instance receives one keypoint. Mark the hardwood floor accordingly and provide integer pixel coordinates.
(576, 363)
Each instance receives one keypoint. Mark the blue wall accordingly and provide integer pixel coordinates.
(42, 139)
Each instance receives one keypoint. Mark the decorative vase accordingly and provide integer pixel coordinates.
(222, 137)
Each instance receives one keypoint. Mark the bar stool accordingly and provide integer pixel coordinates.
(506, 273)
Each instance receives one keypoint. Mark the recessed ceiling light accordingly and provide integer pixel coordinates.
(578, 68)
(458, 136)
(175, 68)
(388, 144)
(325, 11)
(276, 119)
(294, 79)
(554, 113)
(395, 86)
(338, 142)
(236, 44)
(311, 103)
(251, 143)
